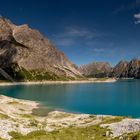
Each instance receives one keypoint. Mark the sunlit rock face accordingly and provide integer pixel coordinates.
(30, 50)
(120, 69)
(126, 69)
(123, 69)
(134, 68)
(96, 69)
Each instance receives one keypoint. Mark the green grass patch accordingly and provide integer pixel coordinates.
(21, 109)
(4, 116)
(108, 120)
(26, 116)
(87, 133)
(75, 133)
(21, 74)
(101, 79)
(13, 103)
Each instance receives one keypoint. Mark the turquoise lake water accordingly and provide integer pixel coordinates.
(120, 98)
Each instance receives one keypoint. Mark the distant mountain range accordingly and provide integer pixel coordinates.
(26, 55)
(96, 69)
(123, 69)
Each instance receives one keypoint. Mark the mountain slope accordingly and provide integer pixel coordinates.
(96, 69)
(134, 68)
(26, 54)
(123, 69)
(120, 69)
(126, 69)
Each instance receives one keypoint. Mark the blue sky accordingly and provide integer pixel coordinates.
(85, 30)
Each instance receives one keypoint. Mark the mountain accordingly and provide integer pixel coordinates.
(134, 68)
(120, 69)
(96, 69)
(26, 55)
(126, 69)
(123, 69)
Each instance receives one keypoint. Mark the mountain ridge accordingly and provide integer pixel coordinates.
(25, 49)
(95, 69)
(123, 69)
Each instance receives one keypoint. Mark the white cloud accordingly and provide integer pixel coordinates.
(74, 35)
(98, 50)
(79, 32)
(137, 16)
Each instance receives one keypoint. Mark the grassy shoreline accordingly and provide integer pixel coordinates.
(18, 122)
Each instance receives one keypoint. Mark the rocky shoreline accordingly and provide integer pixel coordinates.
(18, 120)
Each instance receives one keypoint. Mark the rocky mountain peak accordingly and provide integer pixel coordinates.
(135, 63)
(30, 50)
(96, 69)
(123, 69)
(122, 64)
(5, 29)
(120, 68)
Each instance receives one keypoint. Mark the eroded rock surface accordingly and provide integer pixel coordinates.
(28, 49)
(17, 116)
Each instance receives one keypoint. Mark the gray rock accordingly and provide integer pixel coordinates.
(31, 51)
(96, 69)
(126, 69)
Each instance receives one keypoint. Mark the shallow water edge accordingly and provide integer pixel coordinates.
(94, 80)
(60, 124)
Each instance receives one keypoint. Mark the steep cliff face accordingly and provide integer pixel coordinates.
(26, 50)
(123, 69)
(120, 69)
(96, 69)
(134, 68)
(126, 69)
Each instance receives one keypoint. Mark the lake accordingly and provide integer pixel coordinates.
(120, 98)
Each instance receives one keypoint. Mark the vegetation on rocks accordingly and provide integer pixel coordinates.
(19, 122)
(26, 55)
(87, 133)
(21, 74)
(123, 69)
